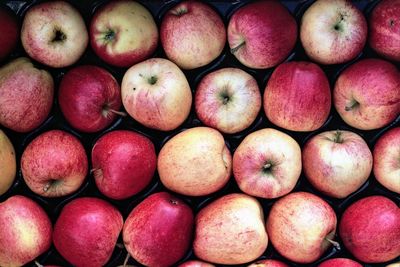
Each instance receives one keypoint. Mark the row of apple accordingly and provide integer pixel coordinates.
(230, 230)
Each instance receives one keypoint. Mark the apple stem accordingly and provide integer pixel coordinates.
(38, 264)
(333, 242)
(353, 104)
(120, 113)
(235, 49)
(126, 260)
(119, 245)
(338, 137)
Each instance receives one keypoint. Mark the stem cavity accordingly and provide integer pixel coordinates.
(235, 49)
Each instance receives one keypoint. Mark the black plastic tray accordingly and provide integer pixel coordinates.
(56, 120)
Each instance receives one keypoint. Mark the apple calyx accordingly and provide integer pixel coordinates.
(152, 80)
(338, 137)
(109, 36)
(180, 11)
(235, 49)
(339, 25)
(225, 97)
(267, 167)
(51, 183)
(173, 201)
(59, 36)
(97, 173)
(352, 105)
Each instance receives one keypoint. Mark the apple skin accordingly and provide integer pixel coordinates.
(158, 231)
(123, 33)
(337, 163)
(195, 162)
(339, 262)
(54, 164)
(86, 231)
(386, 160)
(262, 34)
(196, 263)
(267, 163)
(124, 163)
(34, 90)
(333, 32)
(299, 225)
(8, 165)
(297, 96)
(230, 230)
(192, 34)
(268, 263)
(9, 32)
(156, 93)
(228, 100)
(370, 229)
(384, 29)
(89, 98)
(54, 34)
(25, 233)
(367, 94)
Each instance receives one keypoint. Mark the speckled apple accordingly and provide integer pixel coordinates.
(339, 262)
(158, 231)
(297, 96)
(25, 233)
(89, 98)
(86, 231)
(230, 230)
(301, 227)
(8, 165)
(123, 33)
(10, 32)
(26, 95)
(54, 164)
(367, 94)
(123, 163)
(54, 33)
(262, 34)
(268, 263)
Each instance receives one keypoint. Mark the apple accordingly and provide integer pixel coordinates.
(367, 94)
(54, 164)
(54, 34)
(124, 163)
(339, 262)
(195, 162)
(228, 100)
(9, 33)
(86, 231)
(230, 230)
(196, 263)
(268, 263)
(384, 29)
(301, 227)
(370, 229)
(158, 231)
(26, 95)
(337, 163)
(333, 32)
(396, 264)
(297, 96)
(8, 165)
(89, 98)
(262, 34)
(123, 33)
(25, 232)
(267, 163)
(192, 34)
(156, 93)
(386, 160)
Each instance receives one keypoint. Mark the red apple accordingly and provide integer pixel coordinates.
(9, 32)
(367, 94)
(370, 229)
(123, 163)
(339, 262)
(228, 99)
(156, 93)
(386, 160)
(123, 33)
(267, 163)
(337, 163)
(196, 263)
(86, 231)
(195, 162)
(158, 231)
(89, 98)
(384, 29)
(54, 34)
(262, 34)
(192, 34)
(54, 164)
(26, 95)
(297, 96)
(268, 263)
(301, 227)
(230, 230)
(8, 165)
(25, 232)
(333, 32)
